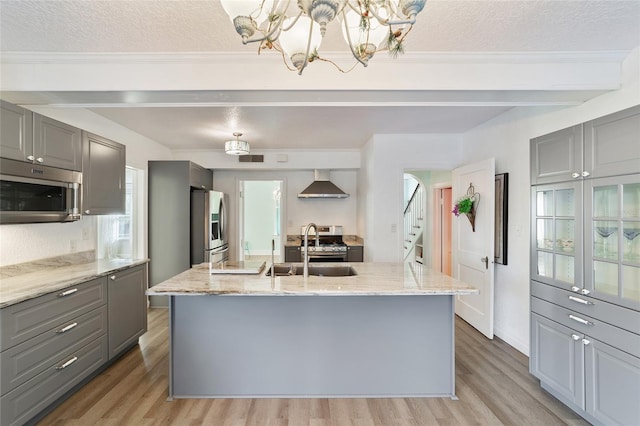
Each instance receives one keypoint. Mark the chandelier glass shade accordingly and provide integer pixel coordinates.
(236, 147)
(368, 26)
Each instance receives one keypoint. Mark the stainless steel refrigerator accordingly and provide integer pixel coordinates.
(208, 227)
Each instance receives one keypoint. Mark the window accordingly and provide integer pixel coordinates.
(118, 234)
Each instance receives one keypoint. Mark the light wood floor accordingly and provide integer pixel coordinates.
(492, 383)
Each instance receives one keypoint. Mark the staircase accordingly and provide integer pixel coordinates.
(414, 221)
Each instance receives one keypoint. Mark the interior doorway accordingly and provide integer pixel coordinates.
(261, 219)
(442, 229)
(433, 240)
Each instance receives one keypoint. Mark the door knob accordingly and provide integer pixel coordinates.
(486, 261)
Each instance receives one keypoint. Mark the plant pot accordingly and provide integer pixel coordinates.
(472, 218)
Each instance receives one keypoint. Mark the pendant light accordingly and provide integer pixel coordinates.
(237, 147)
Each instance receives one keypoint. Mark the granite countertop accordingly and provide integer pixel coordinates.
(29, 280)
(373, 279)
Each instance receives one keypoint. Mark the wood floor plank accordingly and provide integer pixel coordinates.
(493, 385)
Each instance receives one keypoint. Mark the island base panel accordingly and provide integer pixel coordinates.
(292, 346)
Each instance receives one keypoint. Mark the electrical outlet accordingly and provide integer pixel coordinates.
(85, 233)
(73, 245)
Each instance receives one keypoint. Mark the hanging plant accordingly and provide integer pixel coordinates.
(468, 205)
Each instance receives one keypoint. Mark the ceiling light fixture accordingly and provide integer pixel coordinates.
(236, 147)
(368, 26)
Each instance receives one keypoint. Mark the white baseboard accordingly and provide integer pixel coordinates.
(516, 341)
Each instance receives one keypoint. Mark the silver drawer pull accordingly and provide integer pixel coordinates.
(580, 320)
(585, 342)
(112, 277)
(584, 302)
(66, 364)
(575, 289)
(585, 291)
(575, 175)
(68, 292)
(67, 328)
(575, 337)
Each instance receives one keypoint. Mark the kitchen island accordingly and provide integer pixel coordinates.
(386, 332)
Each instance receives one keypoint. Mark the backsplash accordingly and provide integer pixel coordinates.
(28, 242)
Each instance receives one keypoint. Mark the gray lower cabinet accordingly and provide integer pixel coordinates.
(103, 175)
(34, 138)
(292, 254)
(355, 253)
(127, 308)
(606, 146)
(51, 343)
(585, 373)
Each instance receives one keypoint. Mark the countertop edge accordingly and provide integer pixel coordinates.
(317, 293)
(54, 285)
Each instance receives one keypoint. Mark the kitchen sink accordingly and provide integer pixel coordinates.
(283, 269)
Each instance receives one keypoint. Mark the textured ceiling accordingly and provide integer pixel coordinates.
(447, 26)
(202, 26)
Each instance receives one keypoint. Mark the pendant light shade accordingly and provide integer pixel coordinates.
(237, 147)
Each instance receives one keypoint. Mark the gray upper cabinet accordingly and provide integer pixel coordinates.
(199, 177)
(557, 157)
(16, 132)
(611, 144)
(26, 136)
(103, 177)
(606, 146)
(56, 144)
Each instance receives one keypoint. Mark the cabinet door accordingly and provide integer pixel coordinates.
(199, 177)
(292, 254)
(612, 384)
(56, 144)
(611, 144)
(556, 234)
(557, 157)
(612, 246)
(103, 176)
(355, 253)
(557, 358)
(127, 308)
(16, 132)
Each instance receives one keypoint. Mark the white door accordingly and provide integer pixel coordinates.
(473, 250)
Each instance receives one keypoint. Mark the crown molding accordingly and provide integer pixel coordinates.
(242, 57)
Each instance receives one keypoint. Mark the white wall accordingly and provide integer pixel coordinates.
(23, 243)
(507, 139)
(297, 211)
(385, 159)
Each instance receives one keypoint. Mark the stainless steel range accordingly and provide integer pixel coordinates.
(330, 246)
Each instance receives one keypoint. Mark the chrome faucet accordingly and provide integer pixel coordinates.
(305, 270)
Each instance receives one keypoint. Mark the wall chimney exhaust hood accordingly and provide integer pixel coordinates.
(322, 187)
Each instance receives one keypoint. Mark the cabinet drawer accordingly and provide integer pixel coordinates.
(28, 319)
(26, 360)
(27, 400)
(603, 311)
(609, 334)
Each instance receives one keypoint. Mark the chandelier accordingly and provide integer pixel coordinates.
(236, 146)
(368, 26)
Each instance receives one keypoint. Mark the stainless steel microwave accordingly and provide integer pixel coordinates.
(32, 193)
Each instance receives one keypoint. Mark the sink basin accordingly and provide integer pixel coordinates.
(280, 269)
(331, 271)
(283, 269)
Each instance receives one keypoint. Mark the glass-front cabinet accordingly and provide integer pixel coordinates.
(612, 243)
(556, 234)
